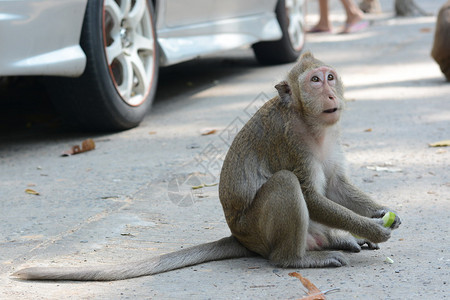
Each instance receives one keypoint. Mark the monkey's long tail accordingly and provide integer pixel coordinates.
(222, 249)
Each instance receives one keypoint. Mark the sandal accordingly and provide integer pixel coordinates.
(361, 25)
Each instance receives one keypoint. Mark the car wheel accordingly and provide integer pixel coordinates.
(118, 85)
(291, 17)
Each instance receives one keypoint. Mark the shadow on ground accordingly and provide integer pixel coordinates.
(27, 111)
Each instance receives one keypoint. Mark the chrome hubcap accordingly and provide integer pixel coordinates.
(125, 38)
(130, 48)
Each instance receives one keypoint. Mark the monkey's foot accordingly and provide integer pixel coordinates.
(320, 259)
(370, 245)
(348, 243)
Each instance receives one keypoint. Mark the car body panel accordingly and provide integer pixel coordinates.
(181, 13)
(187, 42)
(41, 37)
(189, 29)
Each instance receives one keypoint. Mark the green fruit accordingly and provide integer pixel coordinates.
(388, 219)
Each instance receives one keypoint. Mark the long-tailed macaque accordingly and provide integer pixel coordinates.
(441, 44)
(283, 189)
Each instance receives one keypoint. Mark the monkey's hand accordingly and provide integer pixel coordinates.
(380, 213)
(375, 231)
(396, 223)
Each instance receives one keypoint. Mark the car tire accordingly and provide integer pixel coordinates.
(290, 16)
(118, 85)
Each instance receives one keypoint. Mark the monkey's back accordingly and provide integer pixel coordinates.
(441, 45)
(257, 152)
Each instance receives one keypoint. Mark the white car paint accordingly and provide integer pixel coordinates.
(41, 37)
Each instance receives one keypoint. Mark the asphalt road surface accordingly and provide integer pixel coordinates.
(131, 197)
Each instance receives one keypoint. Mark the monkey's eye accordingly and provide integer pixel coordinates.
(330, 77)
(315, 79)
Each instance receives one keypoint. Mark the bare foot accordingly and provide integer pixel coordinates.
(354, 19)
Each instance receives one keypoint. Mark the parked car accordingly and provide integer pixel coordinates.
(105, 54)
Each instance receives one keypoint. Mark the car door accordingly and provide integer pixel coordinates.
(182, 12)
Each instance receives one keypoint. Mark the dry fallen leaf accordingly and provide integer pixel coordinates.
(196, 187)
(32, 237)
(368, 130)
(201, 196)
(262, 286)
(209, 131)
(86, 145)
(444, 143)
(152, 132)
(313, 292)
(127, 234)
(31, 192)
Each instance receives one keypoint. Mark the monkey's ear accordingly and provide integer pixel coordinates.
(306, 55)
(284, 91)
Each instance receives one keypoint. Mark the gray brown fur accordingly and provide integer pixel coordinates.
(441, 45)
(283, 189)
(225, 248)
(405, 8)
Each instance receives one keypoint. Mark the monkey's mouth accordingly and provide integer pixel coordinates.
(330, 111)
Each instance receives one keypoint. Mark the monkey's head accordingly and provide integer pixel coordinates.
(315, 89)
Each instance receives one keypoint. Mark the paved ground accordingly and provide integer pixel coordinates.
(120, 202)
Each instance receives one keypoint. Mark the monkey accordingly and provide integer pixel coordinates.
(283, 188)
(408, 8)
(441, 45)
(292, 187)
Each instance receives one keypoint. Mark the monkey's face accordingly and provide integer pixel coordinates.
(320, 89)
